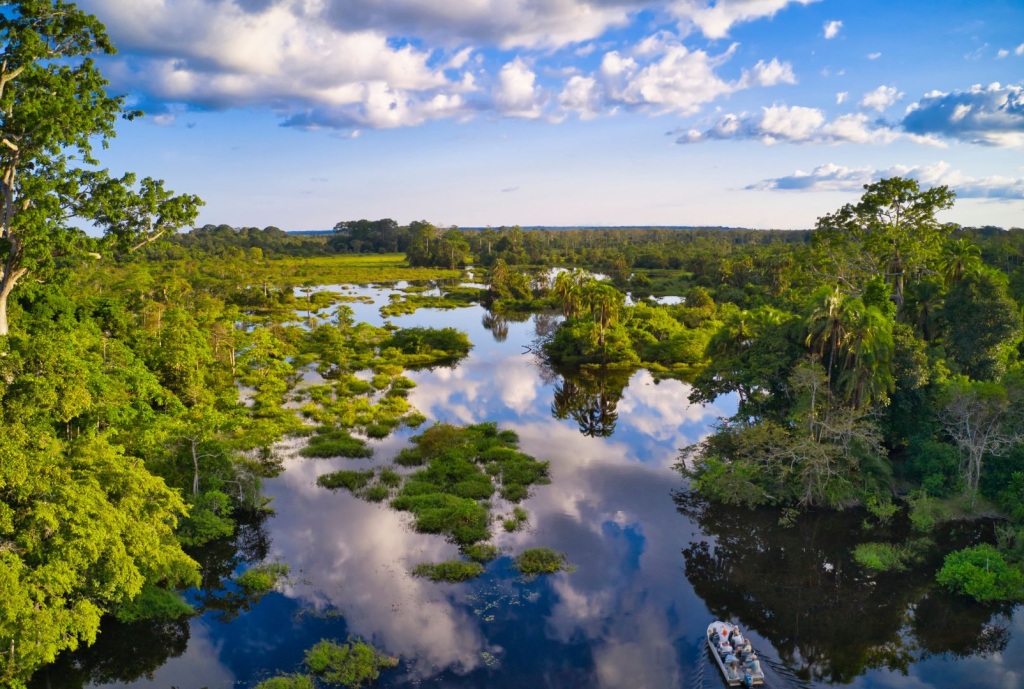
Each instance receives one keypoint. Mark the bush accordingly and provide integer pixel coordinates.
(541, 561)
(209, 519)
(378, 492)
(336, 443)
(481, 552)
(890, 557)
(353, 664)
(427, 340)
(982, 573)
(287, 682)
(154, 603)
(262, 578)
(452, 571)
(350, 480)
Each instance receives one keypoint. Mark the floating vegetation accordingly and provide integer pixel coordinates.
(287, 682)
(541, 561)
(390, 477)
(517, 521)
(451, 571)
(347, 479)
(262, 578)
(352, 664)
(335, 443)
(891, 557)
(463, 466)
(425, 345)
(409, 301)
(378, 492)
(481, 552)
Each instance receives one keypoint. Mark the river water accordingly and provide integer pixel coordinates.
(652, 566)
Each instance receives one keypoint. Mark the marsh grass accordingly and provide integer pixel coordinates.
(891, 557)
(347, 479)
(287, 682)
(541, 561)
(481, 552)
(451, 571)
(262, 578)
(335, 443)
(517, 521)
(352, 664)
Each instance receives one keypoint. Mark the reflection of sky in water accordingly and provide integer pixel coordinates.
(627, 617)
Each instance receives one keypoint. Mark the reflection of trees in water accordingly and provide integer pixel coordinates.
(799, 588)
(590, 400)
(497, 324)
(130, 652)
(546, 324)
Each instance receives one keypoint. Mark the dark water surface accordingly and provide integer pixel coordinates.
(653, 567)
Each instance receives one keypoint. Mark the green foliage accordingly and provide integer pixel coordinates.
(154, 603)
(517, 521)
(287, 682)
(891, 557)
(480, 552)
(352, 664)
(443, 342)
(982, 324)
(209, 519)
(982, 573)
(347, 479)
(262, 578)
(541, 561)
(452, 571)
(336, 443)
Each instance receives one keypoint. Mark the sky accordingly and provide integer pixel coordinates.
(752, 113)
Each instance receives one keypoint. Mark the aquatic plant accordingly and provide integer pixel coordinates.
(480, 552)
(517, 520)
(378, 492)
(335, 443)
(348, 479)
(352, 664)
(287, 682)
(891, 557)
(541, 561)
(262, 578)
(451, 571)
(983, 573)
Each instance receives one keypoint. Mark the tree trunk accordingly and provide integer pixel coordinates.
(195, 464)
(3, 314)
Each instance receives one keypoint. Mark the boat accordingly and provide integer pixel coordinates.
(736, 673)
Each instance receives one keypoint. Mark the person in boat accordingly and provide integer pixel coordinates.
(732, 667)
(744, 649)
(736, 638)
(752, 665)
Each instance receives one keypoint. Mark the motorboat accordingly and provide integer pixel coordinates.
(738, 668)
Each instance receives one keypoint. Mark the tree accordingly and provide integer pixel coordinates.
(53, 109)
(983, 419)
(959, 257)
(893, 231)
(982, 322)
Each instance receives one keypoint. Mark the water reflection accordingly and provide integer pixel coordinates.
(650, 570)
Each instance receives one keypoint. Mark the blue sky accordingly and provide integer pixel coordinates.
(757, 113)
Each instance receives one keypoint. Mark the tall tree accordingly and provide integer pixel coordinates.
(54, 109)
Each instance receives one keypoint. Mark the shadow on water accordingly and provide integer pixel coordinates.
(799, 588)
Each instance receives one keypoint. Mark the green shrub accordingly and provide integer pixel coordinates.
(541, 561)
(451, 571)
(262, 578)
(348, 479)
(352, 664)
(154, 603)
(378, 492)
(481, 552)
(890, 557)
(378, 431)
(287, 682)
(336, 443)
(982, 573)
(208, 520)
(390, 477)
(426, 340)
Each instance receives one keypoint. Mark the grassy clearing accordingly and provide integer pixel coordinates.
(262, 578)
(359, 269)
(541, 561)
(451, 571)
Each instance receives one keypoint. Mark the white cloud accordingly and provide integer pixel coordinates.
(832, 177)
(881, 98)
(1019, 50)
(715, 19)
(832, 29)
(841, 97)
(516, 93)
(801, 125)
(581, 95)
(1002, 53)
(992, 115)
(874, 56)
(768, 74)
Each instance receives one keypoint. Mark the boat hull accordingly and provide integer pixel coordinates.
(732, 682)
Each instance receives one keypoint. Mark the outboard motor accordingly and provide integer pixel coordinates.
(748, 679)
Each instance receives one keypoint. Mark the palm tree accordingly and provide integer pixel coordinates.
(827, 324)
(568, 290)
(869, 349)
(959, 258)
(921, 308)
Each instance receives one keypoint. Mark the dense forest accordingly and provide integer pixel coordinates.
(147, 375)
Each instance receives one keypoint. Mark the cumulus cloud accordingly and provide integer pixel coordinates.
(800, 125)
(581, 95)
(832, 177)
(841, 97)
(715, 19)
(991, 115)
(881, 98)
(516, 93)
(832, 29)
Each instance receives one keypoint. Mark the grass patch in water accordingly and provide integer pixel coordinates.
(390, 478)
(287, 682)
(448, 341)
(335, 443)
(378, 492)
(350, 480)
(541, 561)
(262, 578)
(518, 519)
(481, 552)
(352, 664)
(451, 571)
(378, 430)
(891, 557)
